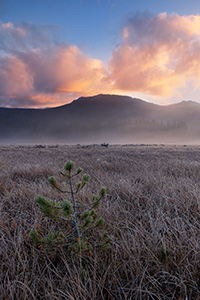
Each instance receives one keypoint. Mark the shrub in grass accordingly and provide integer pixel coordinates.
(81, 232)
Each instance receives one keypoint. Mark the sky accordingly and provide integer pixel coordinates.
(55, 51)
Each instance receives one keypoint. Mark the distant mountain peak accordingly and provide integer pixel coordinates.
(112, 98)
(189, 102)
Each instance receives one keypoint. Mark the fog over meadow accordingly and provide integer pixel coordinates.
(103, 118)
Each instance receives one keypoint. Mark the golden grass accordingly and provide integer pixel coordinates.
(151, 210)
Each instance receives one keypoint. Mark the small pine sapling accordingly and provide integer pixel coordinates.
(79, 219)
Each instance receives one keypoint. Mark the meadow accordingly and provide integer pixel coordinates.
(151, 211)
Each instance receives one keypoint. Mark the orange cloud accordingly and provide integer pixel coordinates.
(79, 74)
(63, 71)
(33, 73)
(158, 54)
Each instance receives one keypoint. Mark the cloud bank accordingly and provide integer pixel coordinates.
(37, 70)
(157, 55)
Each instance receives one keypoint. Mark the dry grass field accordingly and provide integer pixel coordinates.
(151, 210)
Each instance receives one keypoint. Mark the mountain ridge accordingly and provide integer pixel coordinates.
(103, 117)
(82, 98)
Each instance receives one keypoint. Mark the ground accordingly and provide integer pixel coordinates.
(151, 211)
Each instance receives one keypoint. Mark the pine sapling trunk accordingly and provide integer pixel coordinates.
(75, 220)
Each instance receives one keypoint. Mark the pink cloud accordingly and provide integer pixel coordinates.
(37, 71)
(158, 54)
(15, 77)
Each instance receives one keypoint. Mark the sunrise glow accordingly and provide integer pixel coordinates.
(156, 55)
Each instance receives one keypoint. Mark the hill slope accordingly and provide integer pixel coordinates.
(110, 118)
